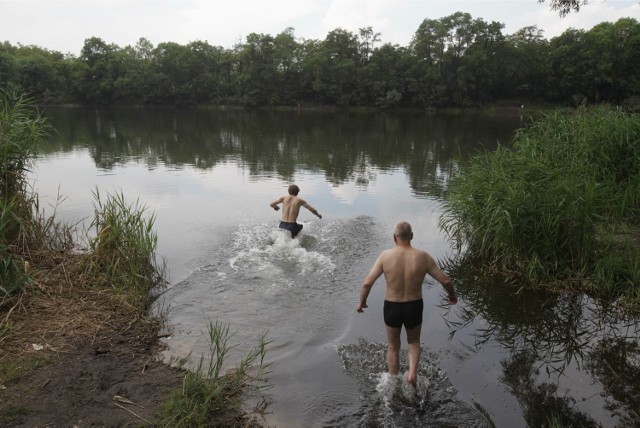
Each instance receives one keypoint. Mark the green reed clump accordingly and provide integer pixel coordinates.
(536, 211)
(208, 396)
(21, 130)
(123, 248)
(599, 142)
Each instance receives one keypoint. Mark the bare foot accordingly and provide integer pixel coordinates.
(411, 378)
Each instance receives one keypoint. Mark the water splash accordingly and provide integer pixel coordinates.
(269, 252)
(394, 389)
(390, 400)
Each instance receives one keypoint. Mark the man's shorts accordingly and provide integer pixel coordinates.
(294, 228)
(398, 313)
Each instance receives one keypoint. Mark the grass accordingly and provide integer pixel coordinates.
(549, 210)
(9, 413)
(208, 394)
(22, 128)
(123, 248)
(12, 370)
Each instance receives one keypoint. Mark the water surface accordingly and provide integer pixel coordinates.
(500, 357)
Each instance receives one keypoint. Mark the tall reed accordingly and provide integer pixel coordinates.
(537, 211)
(123, 247)
(22, 128)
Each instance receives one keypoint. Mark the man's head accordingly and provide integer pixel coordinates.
(294, 190)
(402, 232)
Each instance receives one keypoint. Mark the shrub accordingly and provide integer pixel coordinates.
(539, 210)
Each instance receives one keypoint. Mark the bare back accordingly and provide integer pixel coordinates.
(404, 269)
(291, 207)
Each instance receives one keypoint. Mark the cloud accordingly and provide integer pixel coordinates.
(355, 14)
(590, 15)
(63, 25)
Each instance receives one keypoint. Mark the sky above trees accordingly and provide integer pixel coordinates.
(64, 25)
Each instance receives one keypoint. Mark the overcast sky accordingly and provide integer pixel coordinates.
(63, 25)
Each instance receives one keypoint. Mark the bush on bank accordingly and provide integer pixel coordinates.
(559, 208)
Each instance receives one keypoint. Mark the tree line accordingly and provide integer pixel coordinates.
(454, 61)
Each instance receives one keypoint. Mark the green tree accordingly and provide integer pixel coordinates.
(8, 69)
(171, 77)
(426, 75)
(482, 61)
(288, 56)
(257, 70)
(528, 62)
(387, 69)
(564, 7)
(569, 64)
(103, 66)
(337, 66)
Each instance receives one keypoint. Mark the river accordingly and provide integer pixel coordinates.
(500, 357)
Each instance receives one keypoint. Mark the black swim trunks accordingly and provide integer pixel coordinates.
(407, 313)
(294, 228)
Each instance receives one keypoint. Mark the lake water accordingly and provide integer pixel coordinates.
(500, 357)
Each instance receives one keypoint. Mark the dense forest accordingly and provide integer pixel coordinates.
(455, 61)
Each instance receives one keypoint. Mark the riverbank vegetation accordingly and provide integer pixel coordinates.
(208, 393)
(560, 209)
(454, 61)
(67, 298)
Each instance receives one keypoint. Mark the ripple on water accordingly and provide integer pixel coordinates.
(389, 400)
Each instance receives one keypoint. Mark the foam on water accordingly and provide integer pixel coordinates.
(268, 252)
(395, 388)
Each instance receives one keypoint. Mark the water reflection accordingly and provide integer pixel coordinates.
(344, 146)
(552, 336)
(542, 403)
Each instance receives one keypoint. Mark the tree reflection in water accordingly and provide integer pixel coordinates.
(549, 332)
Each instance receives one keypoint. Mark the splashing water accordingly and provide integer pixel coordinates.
(395, 389)
(390, 400)
(268, 252)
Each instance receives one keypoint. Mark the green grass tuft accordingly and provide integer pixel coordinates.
(208, 394)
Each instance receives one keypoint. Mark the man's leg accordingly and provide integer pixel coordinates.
(413, 338)
(393, 349)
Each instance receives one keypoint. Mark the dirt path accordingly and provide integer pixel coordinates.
(108, 379)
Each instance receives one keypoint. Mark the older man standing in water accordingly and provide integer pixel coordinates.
(291, 204)
(404, 269)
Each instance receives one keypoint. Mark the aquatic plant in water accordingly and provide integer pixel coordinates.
(559, 208)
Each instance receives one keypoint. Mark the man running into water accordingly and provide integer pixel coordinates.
(291, 204)
(404, 269)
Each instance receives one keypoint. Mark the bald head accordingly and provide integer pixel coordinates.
(403, 232)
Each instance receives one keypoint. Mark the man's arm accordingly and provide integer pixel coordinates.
(275, 203)
(370, 279)
(443, 279)
(310, 208)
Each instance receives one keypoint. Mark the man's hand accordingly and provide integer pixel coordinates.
(319, 215)
(361, 306)
(276, 208)
(453, 299)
